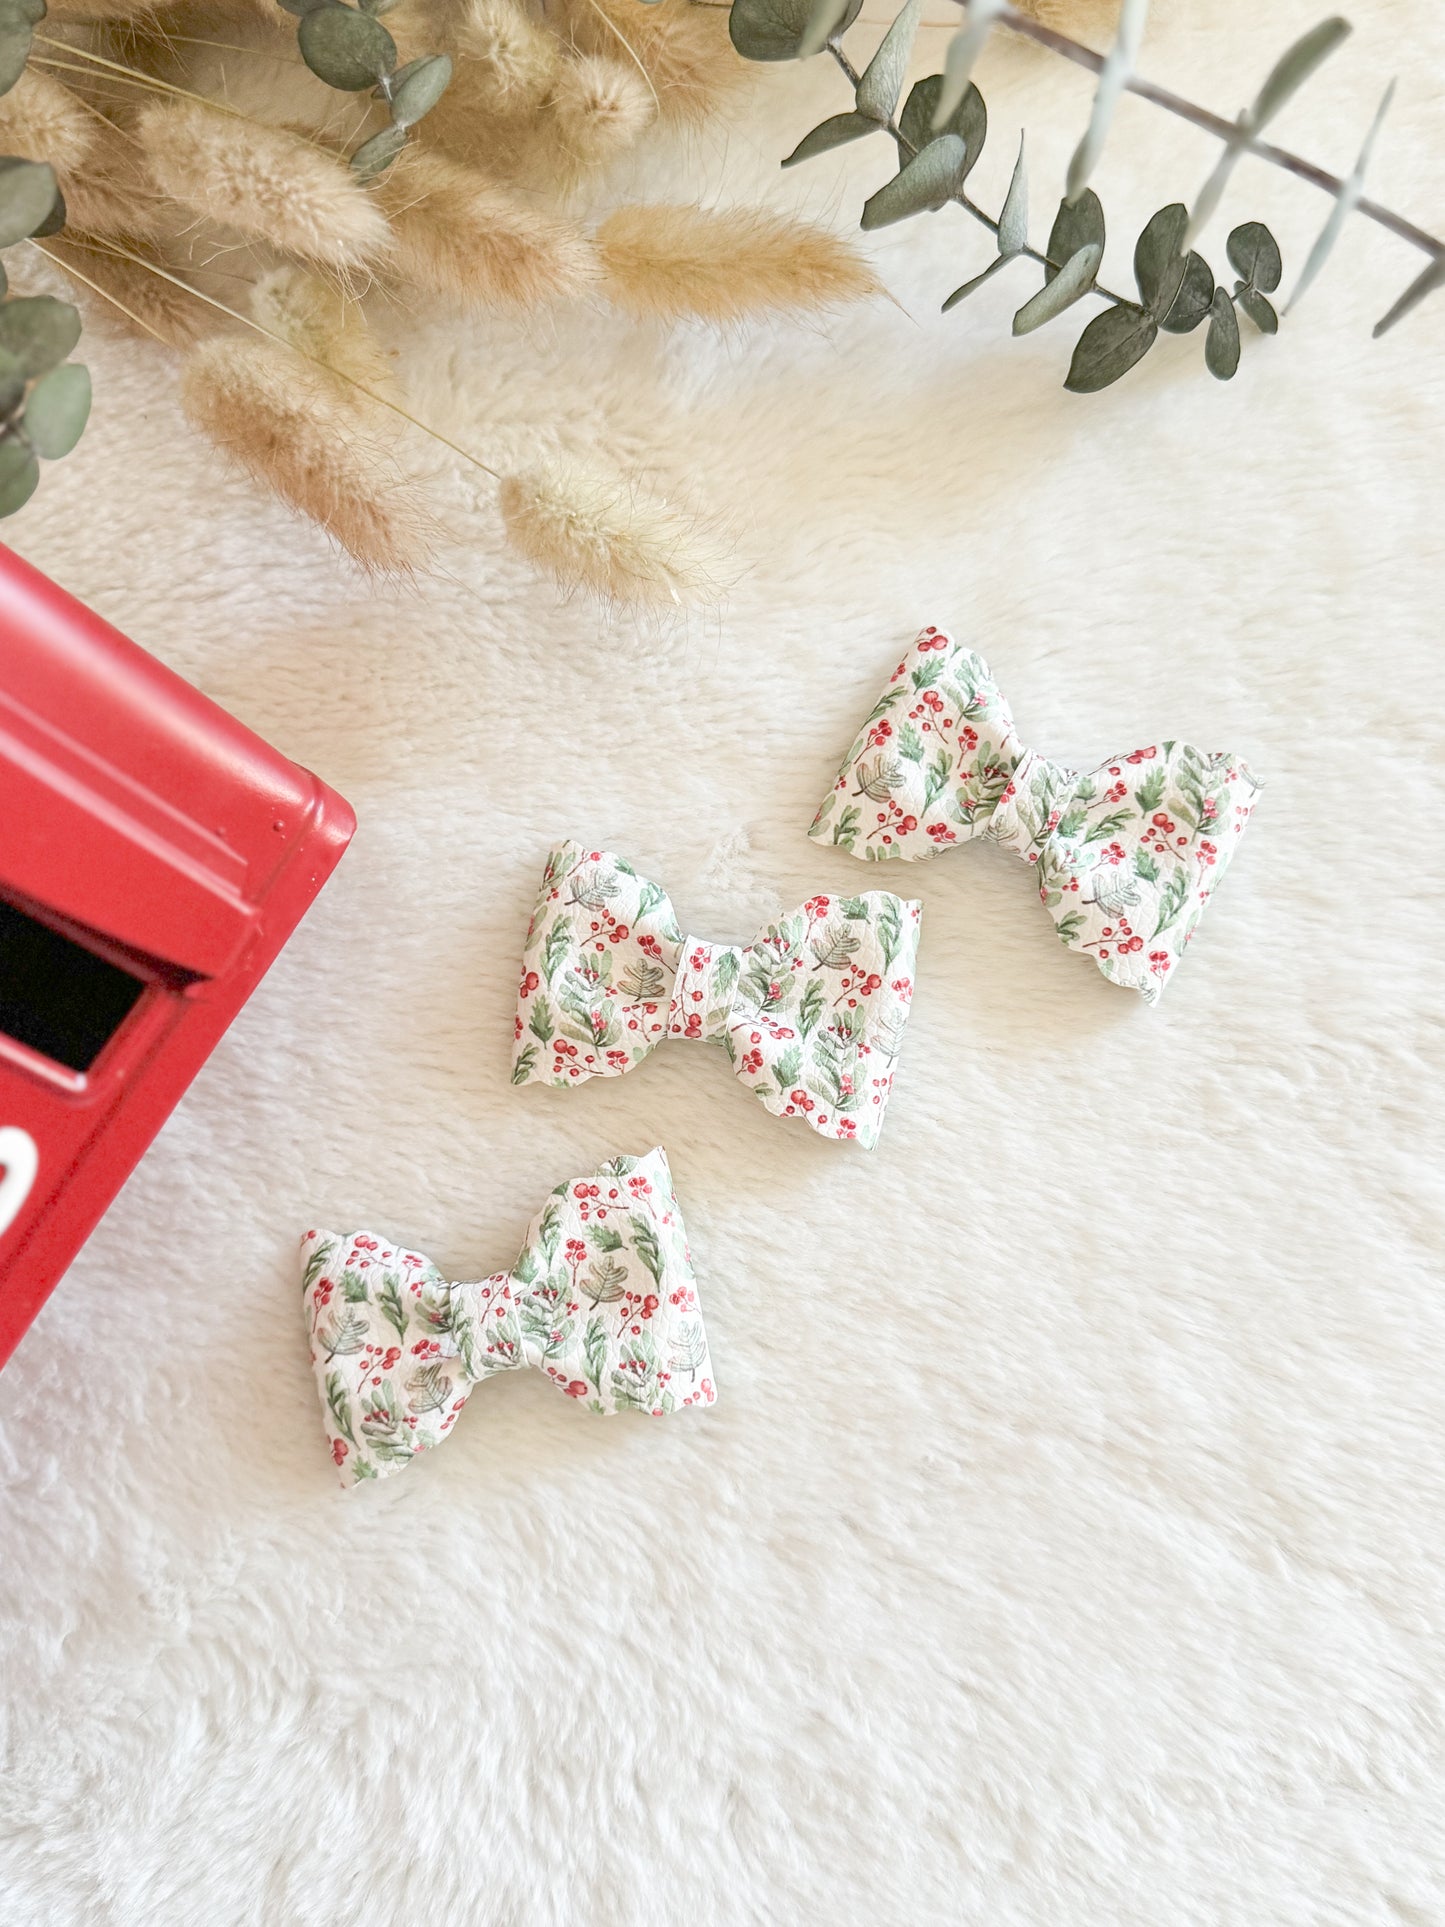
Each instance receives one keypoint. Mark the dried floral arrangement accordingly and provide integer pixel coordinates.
(940, 134)
(233, 177)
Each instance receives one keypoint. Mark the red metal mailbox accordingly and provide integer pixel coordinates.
(154, 857)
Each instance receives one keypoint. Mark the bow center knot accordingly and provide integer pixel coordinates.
(702, 997)
(1033, 806)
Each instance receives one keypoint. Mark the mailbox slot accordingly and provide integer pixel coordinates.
(57, 997)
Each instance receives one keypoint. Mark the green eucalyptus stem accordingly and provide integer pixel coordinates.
(1216, 124)
(963, 199)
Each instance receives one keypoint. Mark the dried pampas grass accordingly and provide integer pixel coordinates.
(598, 109)
(683, 49)
(725, 264)
(599, 532)
(41, 120)
(457, 233)
(516, 59)
(141, 302)
(321, 446)
(263, 181)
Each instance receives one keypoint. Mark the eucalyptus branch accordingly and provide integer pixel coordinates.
(963, 199)
(1217, 125)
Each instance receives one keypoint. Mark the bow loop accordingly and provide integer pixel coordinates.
(602, 1299)
(811, 1013)
(1126, 857)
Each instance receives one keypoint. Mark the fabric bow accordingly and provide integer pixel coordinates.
(602, 1300)
(811, 1012)
(1127, 856)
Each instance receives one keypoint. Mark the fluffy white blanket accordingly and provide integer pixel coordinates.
(1066, 1545)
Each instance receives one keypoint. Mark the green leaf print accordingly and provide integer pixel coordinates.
(847, 827)
(594, 1350)
(939, 771)
(789, 1064)
(1145, 866)
(392, 1308)
(338, 1403)
(594, 890)
(725, 973)
(540, 1024)
(648, 898)
(604, 1238)
(890, 929)
(316, 1263)
(644, 1242)
(925, 675)
(353, 1288)
(1171, 900)
(1070, 927)
(1108, 826)
(554, 951)
(810, 1010)
(825, 810)
(523, 1067)
(855, 909)
(878, 780)
(1150, 793)
(910, 743)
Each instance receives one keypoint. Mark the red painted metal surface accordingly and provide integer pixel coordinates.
(155, 855)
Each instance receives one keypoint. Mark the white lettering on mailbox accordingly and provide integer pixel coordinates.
(19, 1160)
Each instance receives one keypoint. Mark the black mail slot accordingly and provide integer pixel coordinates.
(56, 997)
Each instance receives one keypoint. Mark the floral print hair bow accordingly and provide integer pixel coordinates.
(1127, 856)
(602, 1300)
(811, 1013)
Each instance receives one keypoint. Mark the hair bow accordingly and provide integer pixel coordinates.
(602, 1300)
(1127, 855)
(811, 1012)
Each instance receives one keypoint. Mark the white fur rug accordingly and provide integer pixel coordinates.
(1066, 1545)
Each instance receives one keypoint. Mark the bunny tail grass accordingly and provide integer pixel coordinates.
(512, 60)
(724, 264)
(262, 181)
(459, 233)
(126, 296)
(683, 49)
(598, 108)
(315, 442)
(599, 532)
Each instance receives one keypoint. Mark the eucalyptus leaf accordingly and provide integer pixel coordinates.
(1258, 307)
(929, 180)
(1155, 256)
(54, 220)
(1221, 344)
(57, 410)
(1423, 285)
(27, 195)
(1109, 348)
(12, 383)
(1013, 220)
(1254, 255)
(301, 6)
(836, 132)
(1078, 224)
(1286, 77)
(347, 49)
(969, 120)
(32, 12)
(1294, 67)
(38, 330)
(1194, 298)
(4, 278)
(15, 41)
(419, 91)
(1346, 201)
(377, 6)
(958, 62)
(778, 29)
(881, 81)
(962, 294)
(19, 473)
(374, 156)
(1122, 59)
(1072, 281)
